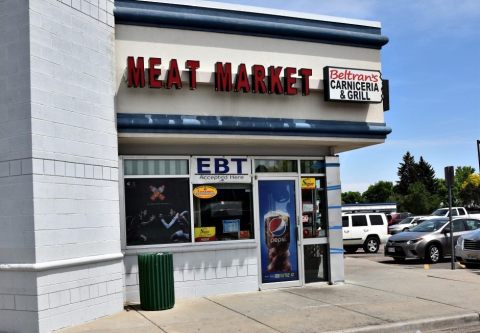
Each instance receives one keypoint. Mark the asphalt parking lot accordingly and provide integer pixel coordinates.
(410, 263)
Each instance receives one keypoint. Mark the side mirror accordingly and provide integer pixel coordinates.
(446, 230)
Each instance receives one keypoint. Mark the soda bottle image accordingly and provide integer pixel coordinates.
(277, 236)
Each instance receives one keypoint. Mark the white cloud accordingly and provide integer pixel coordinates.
(355, 187)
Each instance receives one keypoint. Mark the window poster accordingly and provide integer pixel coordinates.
(157, 210)
(277, 230)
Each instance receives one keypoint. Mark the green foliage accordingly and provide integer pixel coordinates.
(418, 191)
(442, 191)
(426, 175)
(351, 197)
(470, 191)
(381, 191)
(461, 175)
(407, 174)
(418, 200)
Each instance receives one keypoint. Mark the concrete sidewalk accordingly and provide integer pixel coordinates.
(375, 298)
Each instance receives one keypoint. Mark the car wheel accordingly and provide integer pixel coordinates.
(350, 249)
(399, 260)
(433, 254)
(371, 245)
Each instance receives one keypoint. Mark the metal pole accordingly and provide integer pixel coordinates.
(478, 149)
(451, 225)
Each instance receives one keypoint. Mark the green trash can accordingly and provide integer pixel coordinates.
(155, 272)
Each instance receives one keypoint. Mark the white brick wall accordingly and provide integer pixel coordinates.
(58, 162)
(203, 273)
(15, 143)
(74, 295)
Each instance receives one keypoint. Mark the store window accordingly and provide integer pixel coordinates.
(223, 212)
(276, 166)
(314, 213)
(157, 205)
(312, 166)
(155, 167)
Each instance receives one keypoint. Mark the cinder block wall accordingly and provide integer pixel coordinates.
(16, 186)
(60, 259)
(200, 272)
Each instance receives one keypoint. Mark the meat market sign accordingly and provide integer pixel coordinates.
(340, 84)
(352, 85)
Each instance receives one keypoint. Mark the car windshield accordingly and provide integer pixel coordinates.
(440, 212)
(406, 221)
(429, 226)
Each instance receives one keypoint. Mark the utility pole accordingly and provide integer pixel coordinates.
(478, 149)
(449, 178)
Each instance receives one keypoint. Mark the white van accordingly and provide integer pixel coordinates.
(368, 230)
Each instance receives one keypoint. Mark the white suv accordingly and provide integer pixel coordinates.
(368, 230)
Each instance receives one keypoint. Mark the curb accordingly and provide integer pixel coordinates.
(421, 325)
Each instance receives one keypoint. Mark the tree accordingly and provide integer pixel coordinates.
(461, 175)
(351, 197)
(381, 191)
(470, 190)
(418, 200)
(426, 175)
(442, 191)
(407, 173)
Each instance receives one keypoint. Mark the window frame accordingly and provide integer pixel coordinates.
(224, 241)
(214, 245)
(121, 183)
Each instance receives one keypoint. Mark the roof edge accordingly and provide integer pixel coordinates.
(188, 17)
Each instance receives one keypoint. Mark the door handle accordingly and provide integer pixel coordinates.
(346, 231)
(365, 230)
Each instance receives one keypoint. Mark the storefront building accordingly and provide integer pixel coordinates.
(206, 130)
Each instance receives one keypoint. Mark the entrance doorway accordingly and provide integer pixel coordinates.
(314, 234)
(277, 212)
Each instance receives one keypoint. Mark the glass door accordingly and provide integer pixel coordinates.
(278, 232)
(314, 228)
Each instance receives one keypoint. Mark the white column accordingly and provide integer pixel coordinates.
(334, 200)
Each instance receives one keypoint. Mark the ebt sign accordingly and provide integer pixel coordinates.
(220, 169)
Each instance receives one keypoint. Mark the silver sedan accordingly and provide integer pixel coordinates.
(429, 240)
(404, 225)
(467, 250)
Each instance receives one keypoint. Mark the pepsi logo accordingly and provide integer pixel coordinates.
(277, 227)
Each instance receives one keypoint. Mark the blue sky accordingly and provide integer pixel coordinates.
(433, 64)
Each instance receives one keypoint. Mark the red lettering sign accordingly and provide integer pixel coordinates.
(223, 77)
(173, 77)
(154, 73)
(258, 78)
(305, 73)
(274, 82)
(136, 73)
(289, 81)
(241, 82)
(192, 65)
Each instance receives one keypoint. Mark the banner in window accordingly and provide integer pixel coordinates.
(278, 239)
(157, 210)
